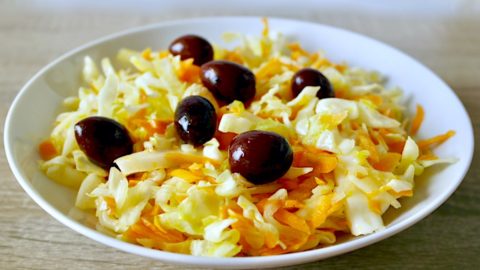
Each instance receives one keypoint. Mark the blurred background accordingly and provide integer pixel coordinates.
(442, 34)
(420, 28)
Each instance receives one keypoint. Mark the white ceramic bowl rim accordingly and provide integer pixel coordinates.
(244, 262)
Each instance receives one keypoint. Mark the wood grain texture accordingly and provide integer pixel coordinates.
(450, 45)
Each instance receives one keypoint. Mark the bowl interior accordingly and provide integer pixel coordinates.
(35, 108)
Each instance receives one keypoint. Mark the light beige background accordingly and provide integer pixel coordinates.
(444, 35)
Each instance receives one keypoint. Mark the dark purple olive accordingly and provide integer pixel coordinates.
(191, 46)
(195, 120)
(103, 140)
(260, 156)
(311, 77)
(228, 81)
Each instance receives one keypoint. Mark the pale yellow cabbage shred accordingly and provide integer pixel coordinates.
(183, 199)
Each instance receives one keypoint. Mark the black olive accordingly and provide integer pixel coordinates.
(228, 81)
(260, 156)
(192, 46)
(311, 77)
(195, 120)
(103, 140)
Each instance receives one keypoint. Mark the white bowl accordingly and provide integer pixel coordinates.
(33, 111)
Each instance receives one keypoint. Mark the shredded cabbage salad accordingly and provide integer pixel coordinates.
(354, 155)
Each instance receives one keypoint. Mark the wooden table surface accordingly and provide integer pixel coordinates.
(445, 37)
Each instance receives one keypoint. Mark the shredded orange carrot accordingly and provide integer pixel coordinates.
(375, 99)
(322, 211)
(341, 67)
(147, 54)
(321, 162)
(427, 156)
(269, 69)
(143, 97)
(396, 147)
(288, 184)
(139, 229)
(184, 158)
(320, 181)
(295, 46)
(377, 138)
(145, 229)
(292, 220)
(417, 120)
(250, 237)
(142, 231)
(47, 150)
(314, 58)
(308, 183)
(354, 125)
(293, 238)
(166, 234)
(223, 212)
(304, 190)
(185, 174)
(325, 164)
(233, 206)
(437, 140)
(222, 110)
(189, 72)
(265, 27)
(149, 208)
(318, 62)
(294, 234)
(365, 142)
(154, 227)
(260, 196)
(244, 227)
(138, 176)
(133, 182)
(389, 112)
(131, 236)
(265, 42)
(394, 144)
(261, 204)
(139, 119)
(276, 250)
(387, 162)
(140, 114)
(163, 53)
(195, 167)
(375, 206)
(234, 57)
(270, 239)
(156, 127)
(297, 50)
(341, 93)
(292, 204)
(155, 210)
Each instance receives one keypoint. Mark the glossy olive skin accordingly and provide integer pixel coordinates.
(260, 156)
(103, 140)
(192, 46)
(228, 81)
(195, 120)
(311, 77)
